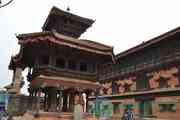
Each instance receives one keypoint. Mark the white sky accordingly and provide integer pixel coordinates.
(119, 23)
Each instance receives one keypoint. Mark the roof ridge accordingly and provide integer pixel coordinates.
(77, 41)
(33, 34)
(98, 43)
(148, 42)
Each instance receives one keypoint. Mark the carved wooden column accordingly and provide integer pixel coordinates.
(88, 92)
(64, 109)
(34, 99)
(71, 101)
(38, 104)
(52, 99)
(45, 100)
(59, 101)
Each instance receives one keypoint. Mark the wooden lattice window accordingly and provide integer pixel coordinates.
(44, 60)
(167, 107)
(72, 64)
(116, 107)
(128, 106)
(60, 63)
(83, 66)
(163, 82)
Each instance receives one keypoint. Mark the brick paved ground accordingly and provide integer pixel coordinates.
(68, 116)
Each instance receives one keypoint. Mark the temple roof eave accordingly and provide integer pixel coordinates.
(148, 43)
(59, 39)
(62, 40)
(54, 81)
(59, 12)
(16, 60)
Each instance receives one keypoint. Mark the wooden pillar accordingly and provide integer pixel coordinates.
(38, 93)
(34, 100)
(64, 109)
(59, 101)
(45, 100)
(71, 102)
(87, 100)
(30, 103)
(52, 99)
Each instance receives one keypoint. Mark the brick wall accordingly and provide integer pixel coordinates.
(168, 114)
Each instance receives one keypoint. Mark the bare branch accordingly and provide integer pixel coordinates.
(5, 3)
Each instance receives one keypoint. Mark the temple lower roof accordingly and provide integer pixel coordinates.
(52, 37)
(54, 81)
(57, 38)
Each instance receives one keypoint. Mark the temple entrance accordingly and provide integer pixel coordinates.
(62, 101)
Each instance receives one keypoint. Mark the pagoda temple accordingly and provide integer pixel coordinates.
(60, 65)
(62, 69)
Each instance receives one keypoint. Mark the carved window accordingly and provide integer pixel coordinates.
(60, 63)
(72, 64)
(116, 107)
(44, 60)
(114, 88)
(128, 106)
(163, 82)
(92, 67)
(142, 83)
(127, 87)
(83, 66)
(165, 107)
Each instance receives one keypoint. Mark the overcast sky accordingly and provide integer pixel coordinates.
(119, 23)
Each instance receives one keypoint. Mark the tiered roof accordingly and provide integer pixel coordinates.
(66, 23)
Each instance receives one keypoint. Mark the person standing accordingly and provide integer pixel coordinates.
(128, 115)
(78, 108)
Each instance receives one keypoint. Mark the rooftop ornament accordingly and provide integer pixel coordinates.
(5, 3)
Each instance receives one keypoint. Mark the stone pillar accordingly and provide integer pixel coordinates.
(16, 81)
